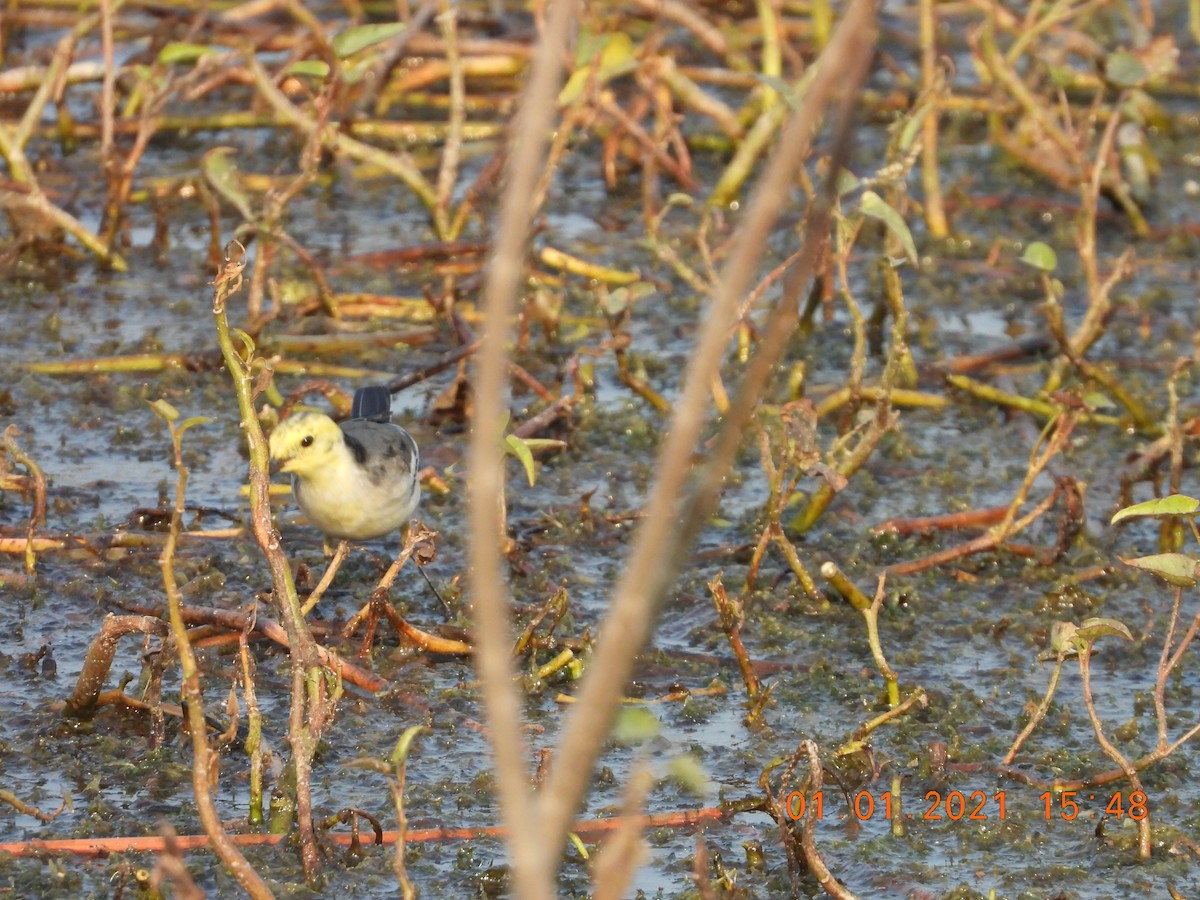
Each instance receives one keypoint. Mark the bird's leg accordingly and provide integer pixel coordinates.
(413, 536)
(339, 556)
(370, 610)
(436, 593)
(406, 552)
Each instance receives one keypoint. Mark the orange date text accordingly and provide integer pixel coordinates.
(954, 806)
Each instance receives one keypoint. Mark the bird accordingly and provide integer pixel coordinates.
(357, 480)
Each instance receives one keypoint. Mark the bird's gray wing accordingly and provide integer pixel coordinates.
(384, 451)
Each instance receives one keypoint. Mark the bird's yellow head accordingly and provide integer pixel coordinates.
(305, 443)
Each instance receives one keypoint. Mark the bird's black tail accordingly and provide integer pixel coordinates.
(372, 402)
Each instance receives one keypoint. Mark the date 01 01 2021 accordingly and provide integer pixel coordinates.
(974, 806)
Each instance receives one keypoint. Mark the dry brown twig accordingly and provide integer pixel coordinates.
(808, 844)
(625, 850)
(670, 525)
(98, 662)
(1054, 438)
(28, 810)
(13, 141)
(35, 483)
(1110, 749)
(204, 758)
(534, 858)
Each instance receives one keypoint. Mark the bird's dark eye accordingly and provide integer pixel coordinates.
(306, 441)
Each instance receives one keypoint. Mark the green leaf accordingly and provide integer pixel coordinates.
(355, 72)
(180, 52)
(913, 126)
(544, 443)
(360, 37)
(521, 451)
(1060, 76)
(588, 45)
(617, 300)
(781, 87)
(877, 208)
(1174, 568)
(247, 341)
(1062, 636)
(688, 772)
(404, 745)
(312, 68)
(635, 725)
(1093, 628)
(1097, 400)
(1040, 256)
(191, 423)
(1124, 69)
(222, 175)
(1175, 505)
(164, 410)
(609, 55)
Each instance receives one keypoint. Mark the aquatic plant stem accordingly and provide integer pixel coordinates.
(396, 782)
(414, 534)
(37, 486)
(535, 853)
(1085, 659)
(1039, 713)
(688, 17)
(772, 56)
(670, 524)
(89, 847)
(1167, 663)
(1099, 292)
(254, 741)
(193, 695)
(881, 423)
(98, 662)
(731, 615)
(1042, 408)
(870, 613)
(313, 694)
(808, 844)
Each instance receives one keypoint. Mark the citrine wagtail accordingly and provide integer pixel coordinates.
(356, 480)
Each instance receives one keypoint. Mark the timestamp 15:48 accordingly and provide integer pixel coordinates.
(1067, 805)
